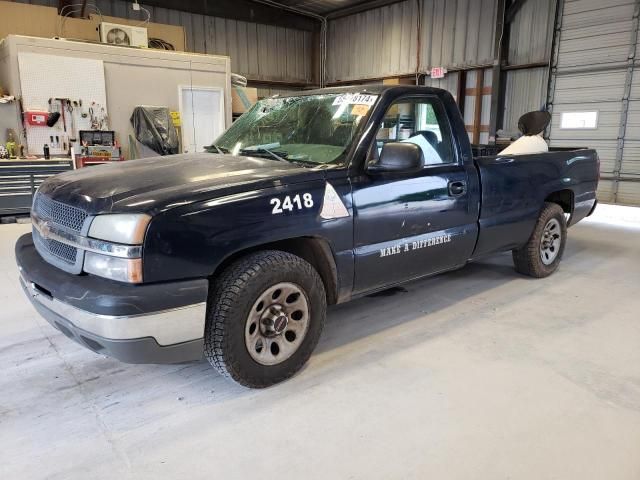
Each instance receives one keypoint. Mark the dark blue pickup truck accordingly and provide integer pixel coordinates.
(306, 201)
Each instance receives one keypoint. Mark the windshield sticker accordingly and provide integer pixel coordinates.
(355, 99)
(360, 110)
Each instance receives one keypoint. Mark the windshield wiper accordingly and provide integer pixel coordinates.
(281, 156)
(213, 148)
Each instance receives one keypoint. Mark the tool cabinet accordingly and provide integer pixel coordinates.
(19, 180)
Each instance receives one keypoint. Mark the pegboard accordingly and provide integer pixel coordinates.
(51, 76)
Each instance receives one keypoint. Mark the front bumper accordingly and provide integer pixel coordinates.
(157, 323)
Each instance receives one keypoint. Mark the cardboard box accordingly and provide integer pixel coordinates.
(243, 98)
(399, 81)
(25, 19)
(386, 133)
(38, 21)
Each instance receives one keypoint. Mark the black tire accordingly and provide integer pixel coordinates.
(231, 299)
(528, 260)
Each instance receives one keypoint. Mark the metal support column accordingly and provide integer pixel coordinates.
(500, 50)
(477, 110)
(553, 63)
(617, 169)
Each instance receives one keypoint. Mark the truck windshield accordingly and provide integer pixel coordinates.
(313, 129)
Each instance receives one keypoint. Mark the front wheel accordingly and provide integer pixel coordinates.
(265, 316)
(541, 255)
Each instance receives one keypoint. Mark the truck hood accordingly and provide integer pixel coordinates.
(155, 184)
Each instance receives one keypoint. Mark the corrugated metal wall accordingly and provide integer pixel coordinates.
(525, 91)
(530, 42)
(595, 72)
(376, 43)
(532, 32)
(454, 34)
(449, 83)
(270, 92)
(260, 52)
(457, 33)
(383, 42)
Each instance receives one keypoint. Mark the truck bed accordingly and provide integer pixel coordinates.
(514, 187)
(482, 150)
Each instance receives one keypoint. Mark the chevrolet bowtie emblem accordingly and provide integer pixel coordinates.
(45, 229)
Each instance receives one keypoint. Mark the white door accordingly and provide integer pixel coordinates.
(202, 115)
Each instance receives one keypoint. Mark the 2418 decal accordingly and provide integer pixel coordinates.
(288, 203)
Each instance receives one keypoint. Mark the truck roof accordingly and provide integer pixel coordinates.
(374, 89)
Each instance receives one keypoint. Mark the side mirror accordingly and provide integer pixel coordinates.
(398, 157)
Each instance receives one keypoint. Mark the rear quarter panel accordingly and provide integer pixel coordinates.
(514, 189)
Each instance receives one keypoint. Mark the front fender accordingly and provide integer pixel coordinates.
(192, 240)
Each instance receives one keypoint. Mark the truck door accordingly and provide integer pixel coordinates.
(410, 225)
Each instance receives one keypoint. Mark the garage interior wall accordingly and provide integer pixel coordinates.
(595, 70)
(593, 63)
(530, 43)
(455, 34)
(127, 74)
(383, 42)
(259, 52)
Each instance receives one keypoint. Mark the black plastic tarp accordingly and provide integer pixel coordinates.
(154, 128)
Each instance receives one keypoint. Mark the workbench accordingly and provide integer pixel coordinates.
(88, 161)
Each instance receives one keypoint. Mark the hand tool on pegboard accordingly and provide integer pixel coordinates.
(63, 102)
(92, 118)
(72, 137)
(53, 116)
(24, 128)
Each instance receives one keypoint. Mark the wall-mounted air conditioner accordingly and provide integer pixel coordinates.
(124, 35)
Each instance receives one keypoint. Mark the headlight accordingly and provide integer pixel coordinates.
(123, 229)
(120, 228)
(120, 269)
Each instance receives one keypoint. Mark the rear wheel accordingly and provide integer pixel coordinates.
(541, 255)
(265, 316)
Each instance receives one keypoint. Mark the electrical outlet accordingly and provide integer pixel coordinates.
(136, 6)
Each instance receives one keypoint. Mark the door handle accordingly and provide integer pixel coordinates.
(457, 189)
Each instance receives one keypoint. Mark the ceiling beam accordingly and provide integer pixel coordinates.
(360, 7)
(244, 10)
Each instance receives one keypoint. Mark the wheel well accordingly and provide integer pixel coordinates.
(316, 251)
(564, 198)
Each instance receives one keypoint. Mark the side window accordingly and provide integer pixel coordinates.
(421, 121)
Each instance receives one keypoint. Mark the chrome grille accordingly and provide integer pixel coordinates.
(73, 219)
(64, 252)
(65, 215)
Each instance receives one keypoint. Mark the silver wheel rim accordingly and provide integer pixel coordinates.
(277, 324)
(550, 241)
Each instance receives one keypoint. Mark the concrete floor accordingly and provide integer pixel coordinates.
(476, 374)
